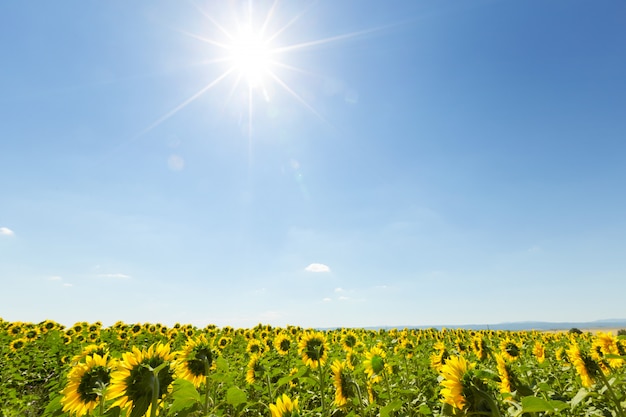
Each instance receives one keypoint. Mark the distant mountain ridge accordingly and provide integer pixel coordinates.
(524, 325)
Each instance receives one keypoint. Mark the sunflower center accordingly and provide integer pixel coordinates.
(96, 378)
(285, 345)
(378, 364)
(314, 349)
(203, 356)
(512, 349)
(350, 341)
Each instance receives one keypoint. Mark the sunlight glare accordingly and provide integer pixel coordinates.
(250, 55)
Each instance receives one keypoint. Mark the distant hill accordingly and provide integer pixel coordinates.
(525, 325)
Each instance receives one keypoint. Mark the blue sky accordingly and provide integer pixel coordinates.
(394, 163)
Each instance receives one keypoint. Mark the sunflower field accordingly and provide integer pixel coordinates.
(136, 370)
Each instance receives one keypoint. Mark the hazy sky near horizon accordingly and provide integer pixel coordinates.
(374, 163)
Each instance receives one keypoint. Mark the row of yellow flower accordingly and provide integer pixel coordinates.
(135, 366)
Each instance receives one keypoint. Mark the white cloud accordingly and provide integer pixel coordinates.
(55, 278)
(67, 285)
(317, 268)
(327, 300)
(338, 289)
(343, 298)
(116, 276)
(5, 231)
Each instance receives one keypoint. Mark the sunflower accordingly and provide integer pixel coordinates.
(349, 341)
(607, 344)
(223, 342)
(132, 383)
(293, 382)
(15, 329)
(282, 344)
(189, 331)
(285, 407)
(480, 347)
(342, 382)
(504, 374)
(86, 381)
(48, 325)
(375, 364)
(95, 327)
(438, 359)
(453, 372)
(313, 349)
(585, 366)
(122, 335)
(17, 344)
(172, 334)
(78, 327)
(31, 333)
(254, 368)
(460, 345)
(255, 346)
(136, 329)
(91, 350)
(539, 351)
(510, 349)
(406, 347)
(197, 359)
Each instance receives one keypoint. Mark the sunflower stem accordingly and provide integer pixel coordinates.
(156, 388)
(206, 386)
(358, 394)
(269, 384)
(609, 389)
(322, 387)
(387, 384)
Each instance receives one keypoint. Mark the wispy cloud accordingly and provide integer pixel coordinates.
(114, 276)
(317, 268)
(57, 278)
(5, 231)
(327, 299)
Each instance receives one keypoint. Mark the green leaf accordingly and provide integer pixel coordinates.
(113, 412)
(425, 410)
(395, 405)
(580, 395)
(185, 395)
(235, 396)
(221, 364)
(537, 404)
(140, 407)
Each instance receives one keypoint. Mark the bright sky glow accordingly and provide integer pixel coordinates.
(316, 163)
(251, 56)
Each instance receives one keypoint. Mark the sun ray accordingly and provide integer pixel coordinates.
(331, 39)
(266, 22)
(186, 102)
(246, 48)
(206, 40)
(287, 25)
(214, 22)
(297, 97)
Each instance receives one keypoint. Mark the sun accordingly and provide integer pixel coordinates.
(251, 48)
(250, 55)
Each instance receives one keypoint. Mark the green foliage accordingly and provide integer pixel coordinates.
(33, 376)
